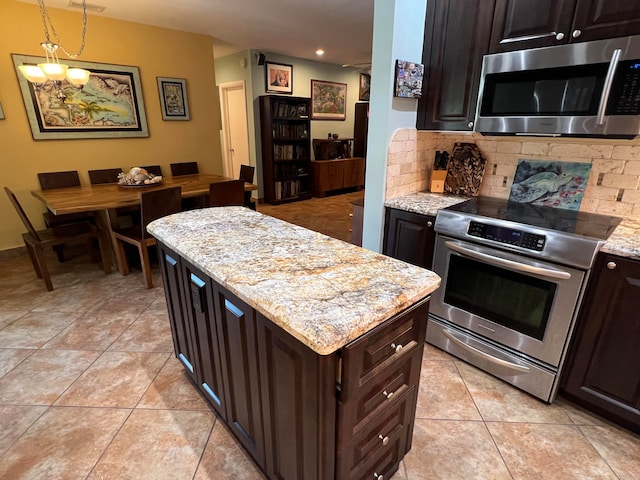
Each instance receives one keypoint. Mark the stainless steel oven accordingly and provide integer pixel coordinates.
(513, 277)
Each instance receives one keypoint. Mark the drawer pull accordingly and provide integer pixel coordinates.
(378, 477)
(397, 348)
(385, 440)
(388, 395)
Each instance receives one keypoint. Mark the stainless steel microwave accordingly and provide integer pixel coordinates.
(589, 89)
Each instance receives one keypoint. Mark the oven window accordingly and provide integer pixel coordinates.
(511, 299)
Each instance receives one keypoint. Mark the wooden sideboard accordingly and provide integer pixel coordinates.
(337, 174)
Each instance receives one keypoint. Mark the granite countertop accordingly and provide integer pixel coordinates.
(624, 241)
(321, 290)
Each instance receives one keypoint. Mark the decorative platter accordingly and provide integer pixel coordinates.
(139, 185)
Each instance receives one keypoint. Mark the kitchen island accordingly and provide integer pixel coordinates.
(308, 348)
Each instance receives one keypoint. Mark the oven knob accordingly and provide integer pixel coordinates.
(560, 36)
(576, 33)
(611, 265)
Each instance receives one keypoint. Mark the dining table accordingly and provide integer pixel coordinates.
(103, 199)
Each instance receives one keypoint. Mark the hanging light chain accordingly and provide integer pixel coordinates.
(46, 22)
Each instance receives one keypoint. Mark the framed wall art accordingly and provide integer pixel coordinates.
(173, 98)
(278, 78)
(328, 100)
(110, 105)
(365, 85)
(408, 82)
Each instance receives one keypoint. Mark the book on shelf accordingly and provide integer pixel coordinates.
(289, 110)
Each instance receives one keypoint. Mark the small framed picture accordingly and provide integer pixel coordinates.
(278, 78)
(328, 100)
(408, 83)
(365, 85)
(173, 98)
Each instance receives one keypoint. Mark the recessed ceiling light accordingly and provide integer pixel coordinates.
(319, 52)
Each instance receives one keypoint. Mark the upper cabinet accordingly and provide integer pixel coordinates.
(522, 24)
(456, 37)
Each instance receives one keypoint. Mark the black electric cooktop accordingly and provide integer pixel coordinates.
(562, 220)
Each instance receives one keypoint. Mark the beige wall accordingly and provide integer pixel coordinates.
(615, 170)
(156, 51)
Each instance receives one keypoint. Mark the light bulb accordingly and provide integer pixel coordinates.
(54, 71)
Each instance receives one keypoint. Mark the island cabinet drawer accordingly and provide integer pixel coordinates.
(380, 393)
(382, 349)
(377, 450)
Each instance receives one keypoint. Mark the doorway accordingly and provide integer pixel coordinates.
(235, 137)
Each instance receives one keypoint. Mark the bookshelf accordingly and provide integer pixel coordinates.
(286, 148)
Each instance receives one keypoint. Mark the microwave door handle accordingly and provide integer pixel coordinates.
(510, 264)
(606, 88)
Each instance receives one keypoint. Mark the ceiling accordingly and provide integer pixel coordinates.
(297, 28)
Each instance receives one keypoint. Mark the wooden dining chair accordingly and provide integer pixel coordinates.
(246, 174)
(105, 175)
(155, 169)
(153, 205)
(184, 168)
(36, 241)
(229, 193)
(50, 181)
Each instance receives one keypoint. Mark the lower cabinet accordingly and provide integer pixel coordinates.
(409, 237)
(601, 371)
(337, 174)
(300, 415)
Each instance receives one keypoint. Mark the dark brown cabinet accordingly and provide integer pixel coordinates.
(360, 129)
(409, 237)
(602, 370)
(337, 174)
(299, 414)
(286, 148)
(456, 37)
(522, 24)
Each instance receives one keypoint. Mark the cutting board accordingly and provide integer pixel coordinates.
(465, 170)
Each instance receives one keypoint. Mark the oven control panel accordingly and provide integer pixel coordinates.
(510, 236)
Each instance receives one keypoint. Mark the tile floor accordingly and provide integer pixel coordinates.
(90, 389)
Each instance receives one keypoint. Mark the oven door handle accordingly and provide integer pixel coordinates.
(503, 262)
(498, 361)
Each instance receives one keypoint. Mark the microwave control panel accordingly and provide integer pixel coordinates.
(511, 236)
(625, 92)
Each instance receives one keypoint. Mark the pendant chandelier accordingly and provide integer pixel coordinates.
(52, 70)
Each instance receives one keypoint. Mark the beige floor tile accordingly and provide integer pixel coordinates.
(156, 444)
(10, 357)
(434, 353)
(498, 401)
(443, 394)
(42, 377)
(91, 332)
(76, 299)
(544, 451)
(14, 421)
(619, 448)
(172, 390)
(149, 333)
(116, 379)
(35, 329)
(448, 450)
(10, 315)
(223, 459)
(578, 415)
(65, 443)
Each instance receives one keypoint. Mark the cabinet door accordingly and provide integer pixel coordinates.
(236, 328)
(598, 19)
(353, 172)
(299, 403)
(409, 237)
(456, 37)
(602, 369)
(201, 312)
(521, 24)
(327, 175)
(181, 328)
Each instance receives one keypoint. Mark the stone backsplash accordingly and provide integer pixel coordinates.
(613, 187)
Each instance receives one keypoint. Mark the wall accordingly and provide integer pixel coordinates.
(156, 51)
(613, 187)
(228, 69)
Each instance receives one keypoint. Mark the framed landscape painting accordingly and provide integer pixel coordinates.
(328, 100)
(110, 105)
(173, 98)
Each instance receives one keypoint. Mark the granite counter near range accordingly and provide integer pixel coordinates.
(308, 348)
